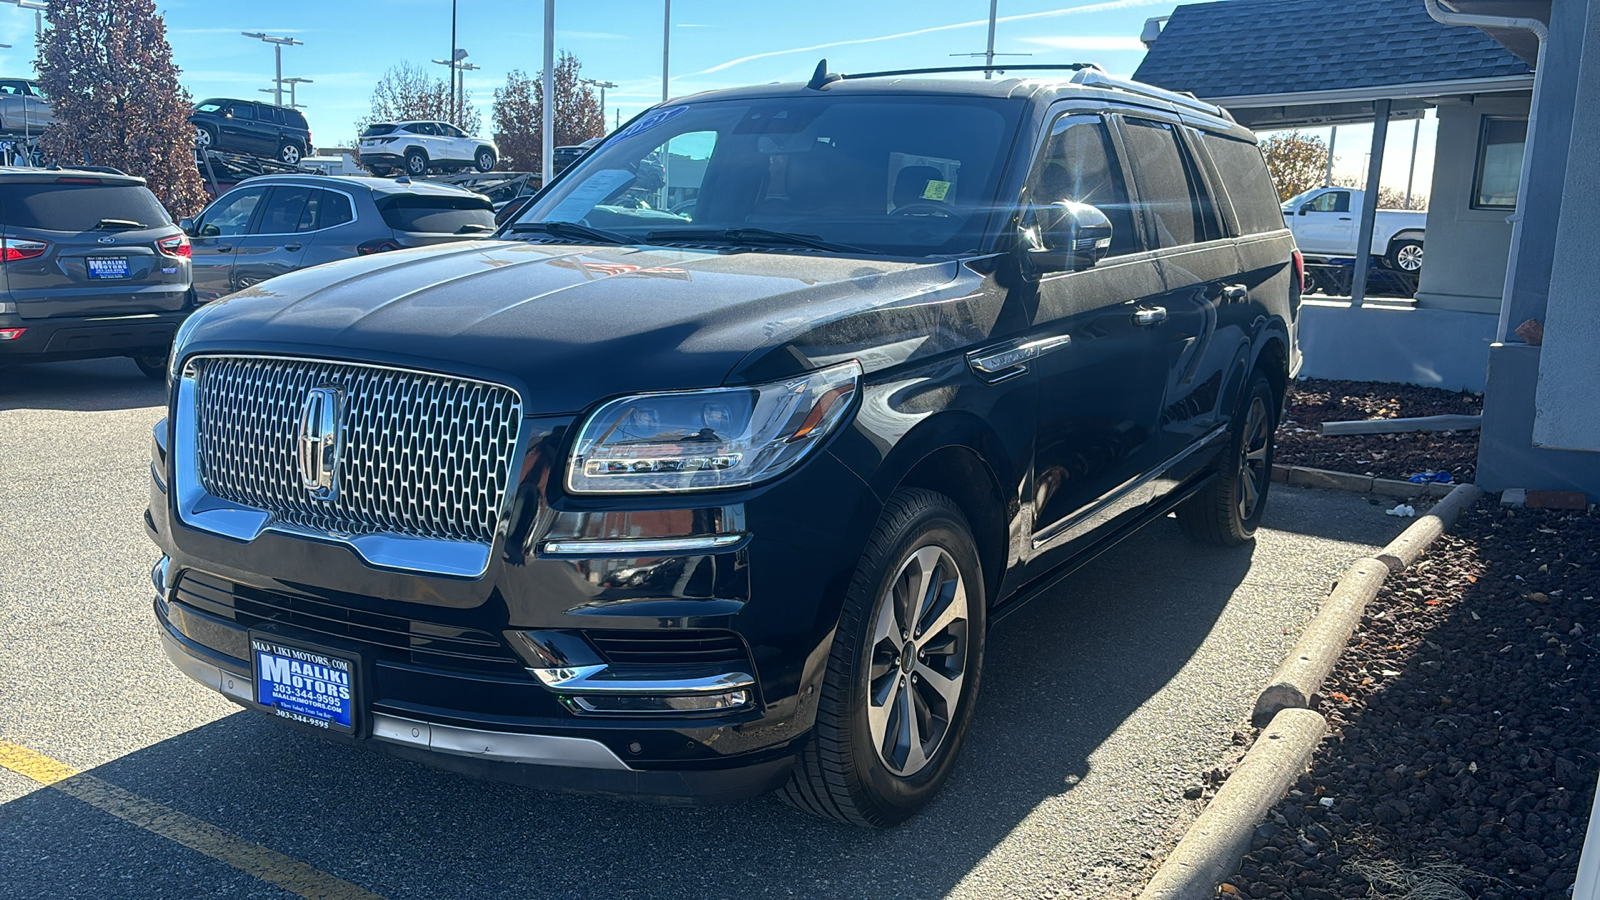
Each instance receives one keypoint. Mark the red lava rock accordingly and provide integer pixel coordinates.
(1314, 401)
(1483, 753)
(1574, 500)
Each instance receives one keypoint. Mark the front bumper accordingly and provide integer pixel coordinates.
(63, 337)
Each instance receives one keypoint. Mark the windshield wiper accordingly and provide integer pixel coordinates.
(473, 227)
(572, 230)
(751, 236)
(119, 223)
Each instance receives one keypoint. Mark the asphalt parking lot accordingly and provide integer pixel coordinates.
(1102, 704)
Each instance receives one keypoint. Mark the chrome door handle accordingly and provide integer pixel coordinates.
(1235, 293)
(1155, 315)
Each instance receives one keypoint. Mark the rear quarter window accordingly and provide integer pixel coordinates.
(1248, 183)
(77, 207)
(438, 215)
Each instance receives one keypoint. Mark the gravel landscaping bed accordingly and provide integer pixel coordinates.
(1464, 727)
(1313, 401)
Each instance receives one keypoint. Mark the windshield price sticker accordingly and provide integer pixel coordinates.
(306, 686)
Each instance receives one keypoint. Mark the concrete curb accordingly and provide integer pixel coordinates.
(1213, 846)
(1328, 479)
(1219, 839)
(1301, 674)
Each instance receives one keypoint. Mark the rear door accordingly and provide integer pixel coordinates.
(330, 230)
(277, 240)
(216, 236)
(77, 246)
(1101, 375)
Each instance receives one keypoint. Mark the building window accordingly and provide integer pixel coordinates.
(1499, 163)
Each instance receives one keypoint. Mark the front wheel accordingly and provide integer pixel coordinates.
(1227, 511)
(416, 163)
(485, 159)
(153, 365)
(903, 672)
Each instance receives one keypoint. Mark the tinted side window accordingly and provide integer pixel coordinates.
(325, 209)
(284, 210)
(243, 111)
(1166, 188)
(1079, 164)
(268, 114)
(53, 206)
(1248, 183)
(294, 119)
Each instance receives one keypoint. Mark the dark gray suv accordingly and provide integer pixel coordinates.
(275, 224)
(91, 265)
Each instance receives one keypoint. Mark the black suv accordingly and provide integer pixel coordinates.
(710, 503)
(90, 266)
(258, 129)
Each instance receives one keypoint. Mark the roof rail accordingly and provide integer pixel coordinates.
(1094, 77)
(1067, 67)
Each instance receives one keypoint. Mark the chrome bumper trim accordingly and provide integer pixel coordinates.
(642, 546)
(587, 680)
(495, 746)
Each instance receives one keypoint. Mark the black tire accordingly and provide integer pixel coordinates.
(154, 366)
(380, 171)
(290, 149)
(1406, 255)
(843, 773)
(205, 137)
(416, 163)
(1227, 511)
(484, 160)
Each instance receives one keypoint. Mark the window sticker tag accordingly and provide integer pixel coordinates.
(652, 120)
(587, 195)
(936, 190)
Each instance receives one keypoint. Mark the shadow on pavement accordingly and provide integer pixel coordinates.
(1063, 674)
(95, 385)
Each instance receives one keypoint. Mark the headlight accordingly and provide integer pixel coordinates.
(702, 440)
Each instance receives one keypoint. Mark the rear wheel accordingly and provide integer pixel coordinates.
(416, 163)
(1227, 511)
(903, 673)
(153, 365)
(289, 153)
(1406, 256)
(381, 171)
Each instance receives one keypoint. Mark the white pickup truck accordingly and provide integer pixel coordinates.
(1325, 222)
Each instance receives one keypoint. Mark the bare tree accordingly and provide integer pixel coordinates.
(406, 92)
(519, 114)
(1298, 162)
(107, 68)
(1388, 197)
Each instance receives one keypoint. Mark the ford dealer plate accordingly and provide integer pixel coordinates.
(307, 685)
(108, 266)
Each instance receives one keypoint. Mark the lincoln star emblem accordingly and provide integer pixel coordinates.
(321, 441)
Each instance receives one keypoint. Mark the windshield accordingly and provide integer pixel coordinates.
(897, 175)
(1297, 198)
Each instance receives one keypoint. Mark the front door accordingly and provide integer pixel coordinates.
(1326, 224)
(1100, 389)
(215, 241)
(277, 242)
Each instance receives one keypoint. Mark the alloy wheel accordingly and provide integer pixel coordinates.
(1409, 257)
(917, 660)
(290, 154)
(202, 137)
(1253, 452)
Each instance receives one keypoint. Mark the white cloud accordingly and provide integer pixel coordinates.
(1092, 42)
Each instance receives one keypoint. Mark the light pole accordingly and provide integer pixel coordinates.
(666, 46)
(455, 56)
(602, 85)
(989, 54)
(38, 7)
(458, 90)
(278, 43)
(291, 82)
(547, 126)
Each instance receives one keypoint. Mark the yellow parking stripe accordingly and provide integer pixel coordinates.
(246, 856)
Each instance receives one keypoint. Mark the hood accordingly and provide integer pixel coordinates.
(570, 325)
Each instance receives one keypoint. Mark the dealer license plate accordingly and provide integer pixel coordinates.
(108, 266)
(307, 685)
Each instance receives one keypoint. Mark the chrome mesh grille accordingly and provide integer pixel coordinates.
(424, 455)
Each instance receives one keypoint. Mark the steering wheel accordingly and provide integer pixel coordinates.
(924, 208)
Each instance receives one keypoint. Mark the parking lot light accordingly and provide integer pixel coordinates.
(278, 43)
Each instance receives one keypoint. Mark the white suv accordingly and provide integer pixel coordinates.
(417, 147)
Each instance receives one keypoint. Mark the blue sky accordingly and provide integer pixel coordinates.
(715, 43)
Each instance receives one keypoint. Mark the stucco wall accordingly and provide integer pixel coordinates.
(1465, 267)
(1442, 348)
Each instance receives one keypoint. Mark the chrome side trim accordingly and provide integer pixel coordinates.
(587, 680)
(498, 746)
(1134, 492)
(642, 546)
(1012, 355)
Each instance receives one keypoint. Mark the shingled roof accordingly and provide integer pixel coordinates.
(1250, 47)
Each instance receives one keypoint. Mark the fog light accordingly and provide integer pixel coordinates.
(11, 334)
(647, 704)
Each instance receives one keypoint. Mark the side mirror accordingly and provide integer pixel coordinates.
(210, 231)
(187, 224)
(1067, 237)
(1305, 209)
